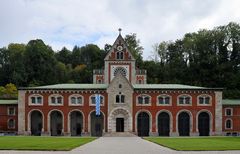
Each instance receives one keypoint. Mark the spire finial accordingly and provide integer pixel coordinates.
(119, 29)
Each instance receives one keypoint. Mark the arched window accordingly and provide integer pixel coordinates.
(11, 123)
(143, 99)
(93, 100)
(184, 100)
(120, 98)
(204, 100)
(36, 99)
(76, 100)
(55, 99)
(120, 55)
(120, 70)
(228, 124)
(164, 100)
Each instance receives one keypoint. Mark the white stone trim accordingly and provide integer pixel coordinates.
(191, 120)
(89, 121)
(226, 124)
(90, 100)
(184, 104)
(210, 120)
(140, 95)
(55, 95)
(75, 95)
(29, 119)
(204, 95)
(150, 119)
(225, 111)
(35, 95)
(69, 119)
(170, 122)
(170, 100)
(49, 120)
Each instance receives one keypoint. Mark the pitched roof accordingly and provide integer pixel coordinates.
(67, 86)
(171, 86)
(231, 101)
(105, 86)
(119, 38)
(3, 101)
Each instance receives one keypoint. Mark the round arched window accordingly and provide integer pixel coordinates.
(120, 70)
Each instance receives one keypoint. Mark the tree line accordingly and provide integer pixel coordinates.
(209, 58)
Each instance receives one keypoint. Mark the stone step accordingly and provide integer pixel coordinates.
(119, 134)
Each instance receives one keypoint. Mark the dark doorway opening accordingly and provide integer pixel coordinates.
(97, 124)
(143, 124)
(56, 123)
(76, 123)
(203, 124)
(163, 124)
(36, 123)
(119, 124)
(184, 124)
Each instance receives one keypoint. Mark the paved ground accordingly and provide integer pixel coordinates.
(120, 145)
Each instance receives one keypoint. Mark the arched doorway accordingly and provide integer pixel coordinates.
(184, 124)
(56, 123)
(119, 120)
(203, 124)
(36, 123)
(97, 124)
(76, 123)
(143, 124)
(163, 124)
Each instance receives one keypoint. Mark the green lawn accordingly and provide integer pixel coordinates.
(42, 143)
(198, 144)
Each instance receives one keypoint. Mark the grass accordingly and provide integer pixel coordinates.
(198, 144)
(42, 143)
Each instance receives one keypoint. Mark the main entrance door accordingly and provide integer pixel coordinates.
(119, 124)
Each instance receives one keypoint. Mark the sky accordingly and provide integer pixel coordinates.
(68, 23)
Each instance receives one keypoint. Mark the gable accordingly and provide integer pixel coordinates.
(119, 51)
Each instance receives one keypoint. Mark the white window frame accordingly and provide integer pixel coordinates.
(14, 110)
(36, 104)
(14, 124)
(190, 104)
(143, 104)
(204, 96)
(90, 100)
(225, 113)
(56, 96)
(226, 124)
(76, 96)
(164, 95)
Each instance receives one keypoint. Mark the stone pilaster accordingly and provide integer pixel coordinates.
(218, 113)
(21, 112)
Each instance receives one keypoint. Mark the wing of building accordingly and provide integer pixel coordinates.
(128, 104)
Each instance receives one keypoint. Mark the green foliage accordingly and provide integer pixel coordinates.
(8, 92)
(209, 58)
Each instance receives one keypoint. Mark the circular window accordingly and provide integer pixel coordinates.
(120, 70)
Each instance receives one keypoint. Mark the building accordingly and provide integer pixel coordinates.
(128, 104)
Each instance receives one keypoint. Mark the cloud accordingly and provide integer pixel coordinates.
(78, 22)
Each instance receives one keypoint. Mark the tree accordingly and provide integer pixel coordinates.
(134, 47)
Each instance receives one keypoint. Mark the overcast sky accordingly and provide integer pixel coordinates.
(78, 22)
